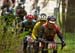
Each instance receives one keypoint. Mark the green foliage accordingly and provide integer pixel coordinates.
(70, 43)
(9, 40)
(23, 35)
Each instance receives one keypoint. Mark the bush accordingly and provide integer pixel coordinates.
(10, 41)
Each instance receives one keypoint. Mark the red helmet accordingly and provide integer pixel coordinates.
(29, 17)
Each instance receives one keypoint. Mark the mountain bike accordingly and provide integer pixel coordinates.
(49, 46)
(29, 44)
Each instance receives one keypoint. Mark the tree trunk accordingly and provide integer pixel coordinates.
(63, 14)
(70, 19)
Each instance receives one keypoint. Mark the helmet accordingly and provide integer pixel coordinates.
(29, 17)
(20, 3)
(51, 19)
(42, 16)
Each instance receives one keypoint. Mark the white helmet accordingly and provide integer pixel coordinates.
(42, 16)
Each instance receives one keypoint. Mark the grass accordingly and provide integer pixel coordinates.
(70, 43)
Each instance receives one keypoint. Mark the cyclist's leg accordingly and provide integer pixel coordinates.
(55, 51)
(25, 46)
(36, 47)
(44, 49)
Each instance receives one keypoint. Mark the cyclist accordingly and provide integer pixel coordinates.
(37, 12)
(23, 1)
(41, 20)
(13, 2)
(21, 12)
(6, 4)
(27, 26)
(49, 30)
(7, 11)
(4, 12)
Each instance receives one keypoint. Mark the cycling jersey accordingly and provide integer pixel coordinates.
(21, 12)
(36, 29)
(49, 33)
(28, 26)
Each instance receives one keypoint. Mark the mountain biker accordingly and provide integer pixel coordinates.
(27, 26)
(21, 12)
(6, 3)
(6, 11)
(23, 1)
(37, 12)
(13, 2)
(49, 30)
(41, 20)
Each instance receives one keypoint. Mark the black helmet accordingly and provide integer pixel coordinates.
(20, 3)
(51, 19)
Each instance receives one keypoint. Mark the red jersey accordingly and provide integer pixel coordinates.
(49, 33)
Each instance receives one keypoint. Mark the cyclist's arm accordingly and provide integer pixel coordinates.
(23, 24)
(35, 32)
(59, 34)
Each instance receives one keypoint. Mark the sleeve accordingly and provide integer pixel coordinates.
(59, 34)
(34, 32)
(22, 27)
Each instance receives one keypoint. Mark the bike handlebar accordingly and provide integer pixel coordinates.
(45, 41)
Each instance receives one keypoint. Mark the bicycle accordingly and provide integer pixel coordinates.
(48, 46)
(29, 48)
